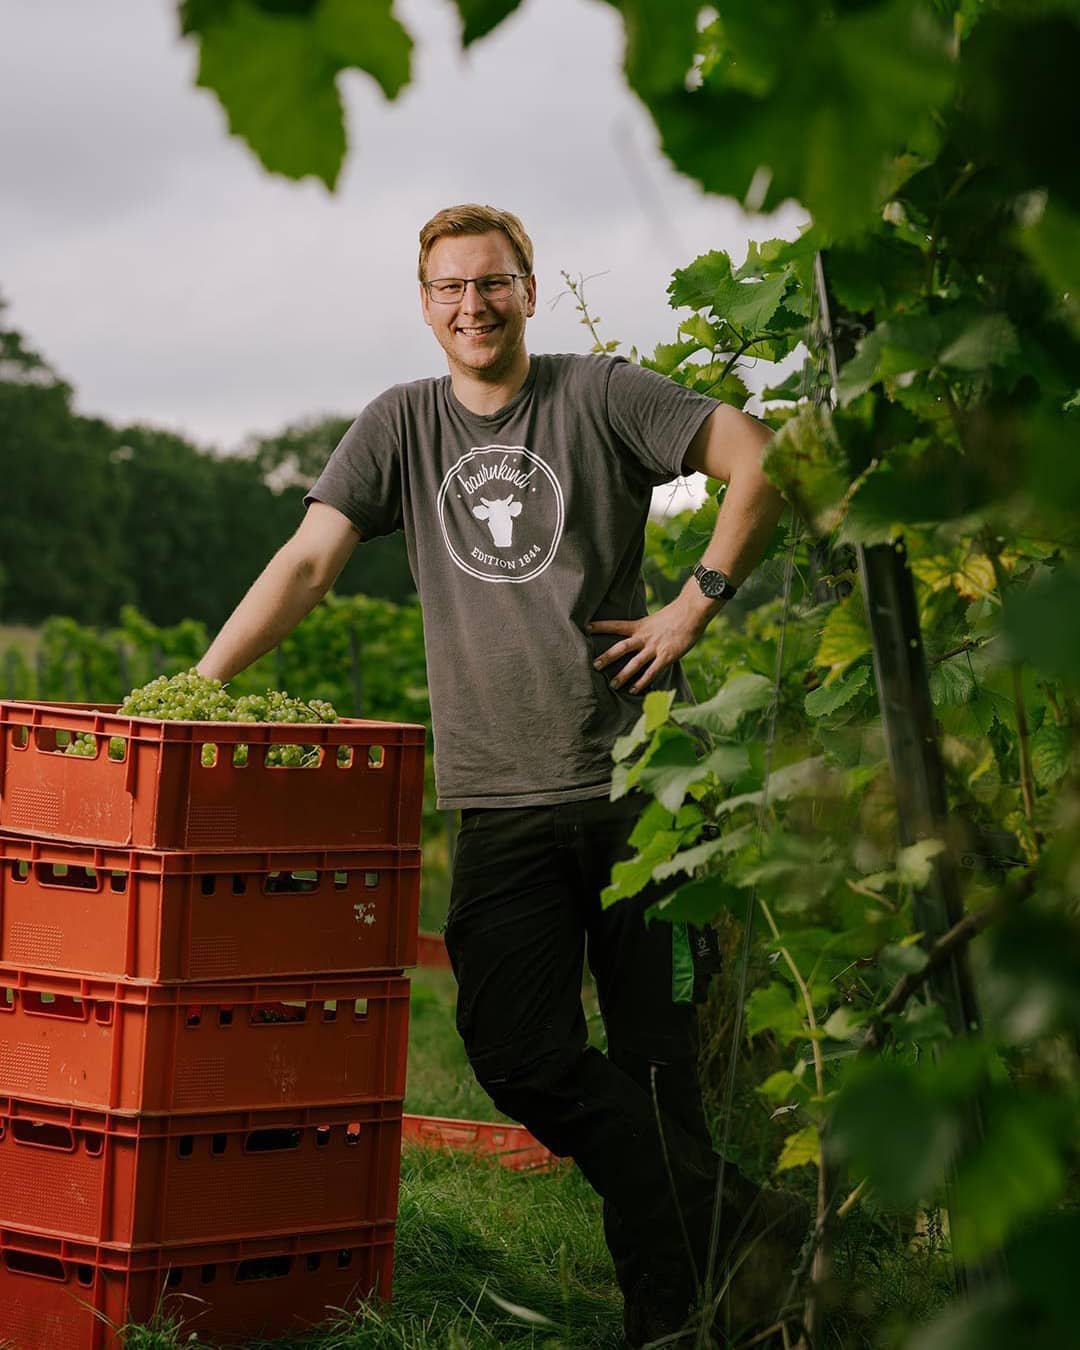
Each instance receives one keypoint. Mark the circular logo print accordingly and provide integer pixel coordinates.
(501, 513)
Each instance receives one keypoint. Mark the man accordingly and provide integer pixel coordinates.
(523, 486)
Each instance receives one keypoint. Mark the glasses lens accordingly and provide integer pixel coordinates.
(447, 290)
(495, 287)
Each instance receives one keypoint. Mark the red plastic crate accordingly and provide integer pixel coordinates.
(202, 1049)
(431, 951)
(511, 1145)
(58, 1295)
(169, 917)
(161, 795)
(150, 1181)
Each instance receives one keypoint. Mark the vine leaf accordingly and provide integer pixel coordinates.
(1016, 1172)
(698, 902)
(675, 767)
(722, 713)
(1050, 754)
(1035, 628)
(631, 876)
(845, 638)
(793, 94)
(275, 74)
(891, 1128)
(807, 463)
(709, 282)
(829, 697)
(479, 17)
(774, 1009)
(799, 1149)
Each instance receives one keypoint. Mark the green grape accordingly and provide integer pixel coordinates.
(189, 697)
(83, 744)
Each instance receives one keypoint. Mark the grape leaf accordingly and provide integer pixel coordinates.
(795, 95)
(365, 34)
(829, 697)
(708, 282)
(276, 83)
(1035, 623)
(773, 1009)
(632, 875)
(690, 859)
(1016, 1172)
(800, 1148)
(1050, 753)
(951, 682)
(481, 16)
(807, 463)
(698, 902)
(676, 766)
(845, 637)
(889, 1127)
(729, 705)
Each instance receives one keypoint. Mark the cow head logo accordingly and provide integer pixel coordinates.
(501, 512)
(500, 518)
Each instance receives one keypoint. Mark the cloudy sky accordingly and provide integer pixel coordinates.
(172, 280)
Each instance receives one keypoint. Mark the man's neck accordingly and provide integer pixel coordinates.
(485, 396)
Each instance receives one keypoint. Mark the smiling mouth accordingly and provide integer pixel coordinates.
(480, 330)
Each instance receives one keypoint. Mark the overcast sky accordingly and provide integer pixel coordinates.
(171, 279)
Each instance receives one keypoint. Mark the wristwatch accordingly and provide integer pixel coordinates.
(714, 585)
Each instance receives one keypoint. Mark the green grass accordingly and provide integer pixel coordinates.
(472, 1238)
(440, 1082)
(475, 1241)
(21, 637)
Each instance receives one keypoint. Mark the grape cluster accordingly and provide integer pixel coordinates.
(190, 697)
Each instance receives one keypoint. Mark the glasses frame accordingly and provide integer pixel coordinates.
(514, 276)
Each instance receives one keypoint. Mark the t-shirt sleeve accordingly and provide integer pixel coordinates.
(655, 418)
(362, 478)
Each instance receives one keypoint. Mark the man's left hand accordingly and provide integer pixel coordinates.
(652, 643)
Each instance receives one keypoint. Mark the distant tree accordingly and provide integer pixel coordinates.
(61, 532)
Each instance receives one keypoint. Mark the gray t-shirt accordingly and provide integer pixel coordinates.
(521, 526)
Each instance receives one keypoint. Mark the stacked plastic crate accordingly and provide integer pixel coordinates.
(203, 1020)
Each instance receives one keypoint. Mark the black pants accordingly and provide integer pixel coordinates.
(524, 909)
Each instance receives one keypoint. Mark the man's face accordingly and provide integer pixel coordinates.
(480, 337)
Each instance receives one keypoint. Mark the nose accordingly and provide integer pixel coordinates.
(476, 302)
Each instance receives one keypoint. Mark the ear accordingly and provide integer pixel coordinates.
(481, 512)
(530, 296)
(515, 508)
(425, 304)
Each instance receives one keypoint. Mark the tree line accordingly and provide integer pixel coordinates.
(102, 515)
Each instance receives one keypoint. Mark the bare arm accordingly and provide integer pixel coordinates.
(290, 585)
(727, 446)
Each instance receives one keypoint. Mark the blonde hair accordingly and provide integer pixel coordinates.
(472, 218)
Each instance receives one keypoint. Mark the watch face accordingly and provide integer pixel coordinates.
(714, 584)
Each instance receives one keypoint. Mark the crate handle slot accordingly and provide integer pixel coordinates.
(43, 1134)
(290, 883)
(63, 875)
(20, 738)
(31, 1263)
(263, 1268)
(54, 1005)
(271, 1140)
(267, 1014)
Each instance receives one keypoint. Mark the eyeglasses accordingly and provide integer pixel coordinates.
(449, 290)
